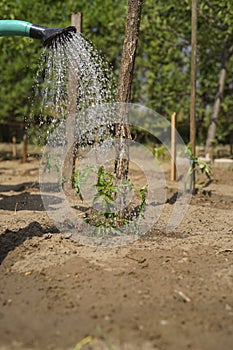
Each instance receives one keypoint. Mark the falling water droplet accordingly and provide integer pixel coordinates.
(71, 70)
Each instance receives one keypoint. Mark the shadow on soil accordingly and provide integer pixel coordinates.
(26, 201)
(19, 187)
(10, 240)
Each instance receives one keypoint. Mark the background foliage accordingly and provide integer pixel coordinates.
(162, 70)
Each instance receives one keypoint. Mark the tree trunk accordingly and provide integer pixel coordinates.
(69, 166)
(193, 91)
(217, 103)
(122, 130)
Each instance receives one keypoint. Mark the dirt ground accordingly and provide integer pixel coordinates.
(162, 292)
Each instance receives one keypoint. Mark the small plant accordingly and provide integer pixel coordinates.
(50, 163)
(197, 165)
(142, 193)
(105, 339)
(160, 152)
(79, 178)
(108, 189)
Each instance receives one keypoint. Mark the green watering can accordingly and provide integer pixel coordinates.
(22, 28)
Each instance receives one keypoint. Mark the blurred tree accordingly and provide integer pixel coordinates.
(103, 23)
(20, 56)
(162, 65)
(216, 67)
(162, 68)
(162, 72)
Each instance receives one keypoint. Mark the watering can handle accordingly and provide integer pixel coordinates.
(14, 28)
(22, 28)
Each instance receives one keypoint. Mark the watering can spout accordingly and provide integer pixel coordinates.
(47, 35)
(50, 35)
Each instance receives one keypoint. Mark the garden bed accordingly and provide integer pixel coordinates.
(164, 291)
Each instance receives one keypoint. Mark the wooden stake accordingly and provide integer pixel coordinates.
(25, 148)
(14, 151)
(76, 20)
(173, 147)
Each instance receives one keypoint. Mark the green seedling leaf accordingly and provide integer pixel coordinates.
(82, 343)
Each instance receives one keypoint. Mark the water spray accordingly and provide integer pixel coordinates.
(27, 29)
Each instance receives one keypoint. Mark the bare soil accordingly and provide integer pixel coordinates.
(162, 292)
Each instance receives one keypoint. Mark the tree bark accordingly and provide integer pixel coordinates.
(69, 166)
(217, 103)
(122, 130)
(193, 91)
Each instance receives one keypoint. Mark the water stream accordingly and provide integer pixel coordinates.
(72, 76)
